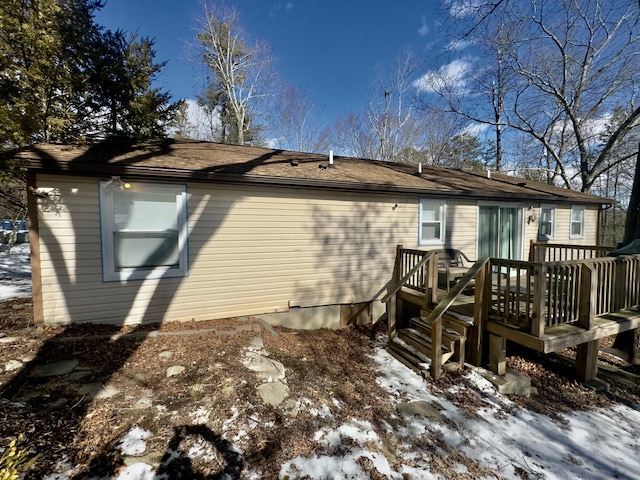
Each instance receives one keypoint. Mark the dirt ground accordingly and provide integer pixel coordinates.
(69, 429)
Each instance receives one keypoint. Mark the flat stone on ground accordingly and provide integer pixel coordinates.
(53, 369)
(264, 367)
(422, 408)
(511, 383)
(175, 370)
(273, 393)
(12, 365)
(97, 391)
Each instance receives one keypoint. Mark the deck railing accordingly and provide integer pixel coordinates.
(534, 296)
(558, 252)
(539, 295)
(408, 259)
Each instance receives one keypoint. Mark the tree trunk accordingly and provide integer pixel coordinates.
(632, 224)
(630, 341)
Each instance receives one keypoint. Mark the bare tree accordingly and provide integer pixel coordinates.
(292, 123)
(390, 109)
(352, 136)
(241, 73)
(438, 129)
(568, 64)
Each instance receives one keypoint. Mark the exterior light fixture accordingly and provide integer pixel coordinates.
(117, 182)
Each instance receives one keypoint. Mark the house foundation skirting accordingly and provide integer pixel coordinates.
(327, 316)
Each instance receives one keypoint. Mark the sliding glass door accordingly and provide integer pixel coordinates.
(500, 232)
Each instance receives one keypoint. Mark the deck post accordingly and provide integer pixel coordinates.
(587, 361)
(539, 290)
(391, 318)
(621, 282)
(433, 280)
(498, 354)
(480, 315)
(588, 296)
(436, 349)
(392, 303)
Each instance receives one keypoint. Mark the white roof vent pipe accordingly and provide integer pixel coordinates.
(419, 168)
(488, 173)
(331, 164)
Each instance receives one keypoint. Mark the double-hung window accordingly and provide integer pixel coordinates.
(432, 222)
(547, 222)
(144, 230)
(576, 228)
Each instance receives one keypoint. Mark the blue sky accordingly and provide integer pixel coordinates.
(329, 48)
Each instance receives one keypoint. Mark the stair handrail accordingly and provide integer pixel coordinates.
(398, 285)
(458, 288)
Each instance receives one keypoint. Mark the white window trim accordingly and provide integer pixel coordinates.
(582, 209)
(442, 204)
(553, 209)
(107, 219)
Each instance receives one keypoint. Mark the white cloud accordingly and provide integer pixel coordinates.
(458, 45)
(475, 129)
(200, 123)
(424, 28)
(276, 8)
(597, 126)
(452, 76)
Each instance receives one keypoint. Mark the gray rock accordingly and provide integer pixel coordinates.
(264, 367)
(57, 404)
(97, 391)
(75, 376)
(143, 403)
(273, 393)
(175, 370)
(53, 369)
(12, 365)
(257, 343)
(511, 383)
(421, 408)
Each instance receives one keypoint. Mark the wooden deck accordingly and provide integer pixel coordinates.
(543, 306)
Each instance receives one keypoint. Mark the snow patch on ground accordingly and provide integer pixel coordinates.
(15, 271)
(134, 441)
(503, 437)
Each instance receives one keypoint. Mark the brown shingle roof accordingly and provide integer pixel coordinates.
(196, 160)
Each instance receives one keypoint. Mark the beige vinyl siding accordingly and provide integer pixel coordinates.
(563, 224)
(563, 215)
(251, 251)
(461, 226)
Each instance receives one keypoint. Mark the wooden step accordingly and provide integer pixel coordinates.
(454, 333)
(448, 334)
(449, 321)
(409, 357)
(422, 343)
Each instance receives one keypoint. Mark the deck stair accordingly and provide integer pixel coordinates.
(414, 347)
(425, 341)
